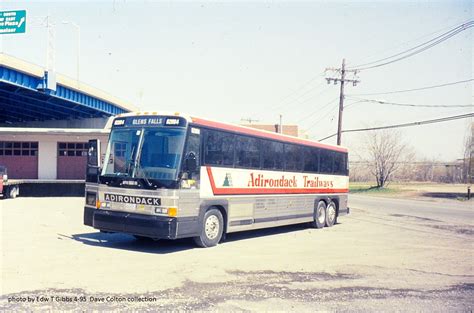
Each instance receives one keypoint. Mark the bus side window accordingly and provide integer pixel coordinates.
(219, 148)
(272, 154)
(247, 152)
(311, 159)
(326, 162)
(339, 163)
(293, 158)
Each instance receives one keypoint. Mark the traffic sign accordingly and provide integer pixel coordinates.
(12, 22)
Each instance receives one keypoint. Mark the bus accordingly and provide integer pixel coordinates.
(169, 176)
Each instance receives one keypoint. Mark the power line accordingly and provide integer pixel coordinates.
(395, 47)
(327, 113)
(438, 120)
(417, 49)
(299, 101)
(414, 89)
(414, 105)
(316, 111)
(292, 96)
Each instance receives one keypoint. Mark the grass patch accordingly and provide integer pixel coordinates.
(370, 189)
(412, 190)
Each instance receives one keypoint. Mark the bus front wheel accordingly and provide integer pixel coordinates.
(211, 229)
(320, 215)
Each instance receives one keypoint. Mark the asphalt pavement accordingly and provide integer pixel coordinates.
(447, 210)
(387, 255)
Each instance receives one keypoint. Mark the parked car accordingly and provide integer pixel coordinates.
(8, 189)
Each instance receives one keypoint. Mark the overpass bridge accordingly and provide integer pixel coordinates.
(29, 93)
(46, 120)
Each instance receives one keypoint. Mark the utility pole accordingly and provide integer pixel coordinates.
(341, 73)
(280, 129)
(50, 47)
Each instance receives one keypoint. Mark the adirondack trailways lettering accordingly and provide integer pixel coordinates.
(259, 180)
(132, 199)
(315, 182)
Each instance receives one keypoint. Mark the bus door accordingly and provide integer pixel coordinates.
(192, 160)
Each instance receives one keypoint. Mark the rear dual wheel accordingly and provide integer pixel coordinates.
(319, 215)
(331, 214)
(325, 215)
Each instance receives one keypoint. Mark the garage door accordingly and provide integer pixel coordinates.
(20, 158)
(72, 160)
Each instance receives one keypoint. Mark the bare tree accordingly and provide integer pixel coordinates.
(385, 150)
(468, 166)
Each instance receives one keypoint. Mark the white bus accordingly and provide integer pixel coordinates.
(174, 176)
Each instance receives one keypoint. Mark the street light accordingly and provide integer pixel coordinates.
(78, 29)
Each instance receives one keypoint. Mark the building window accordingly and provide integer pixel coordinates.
(18, 148)
(72, 148)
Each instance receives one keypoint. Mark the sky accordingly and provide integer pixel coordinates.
(234, 60)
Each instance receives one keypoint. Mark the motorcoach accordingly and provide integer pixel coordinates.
(174, 176)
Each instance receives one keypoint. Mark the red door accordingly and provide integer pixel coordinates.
(20, 158)
(72, 160)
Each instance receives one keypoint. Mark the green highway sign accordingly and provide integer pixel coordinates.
(12, 22)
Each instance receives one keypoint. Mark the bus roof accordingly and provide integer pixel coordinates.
(237, 129)
(264, 134)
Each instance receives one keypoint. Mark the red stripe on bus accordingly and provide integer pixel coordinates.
(256, 132)
(249, 191)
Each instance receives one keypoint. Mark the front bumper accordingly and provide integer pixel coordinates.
(157, 227)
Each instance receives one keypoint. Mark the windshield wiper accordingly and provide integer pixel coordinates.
(137, 175)
(130, 164)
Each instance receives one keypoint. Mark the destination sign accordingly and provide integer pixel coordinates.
(147, 121)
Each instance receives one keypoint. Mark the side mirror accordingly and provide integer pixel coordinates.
(93, 154)
(190, 162)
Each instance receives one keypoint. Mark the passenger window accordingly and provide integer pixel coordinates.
(272, 154)
(326, 161)
(339, 163)
(311, 159)
(293, 157)
(247, 152)
(219, 149)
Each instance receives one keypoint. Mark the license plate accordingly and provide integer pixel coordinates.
(123, 206)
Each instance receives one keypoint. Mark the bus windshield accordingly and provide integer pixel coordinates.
(148, 153)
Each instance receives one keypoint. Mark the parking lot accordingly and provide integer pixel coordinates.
(377, 258)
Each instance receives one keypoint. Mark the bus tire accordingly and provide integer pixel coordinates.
(211, 230)
(319, 215)
(12, 192)
(331, 214)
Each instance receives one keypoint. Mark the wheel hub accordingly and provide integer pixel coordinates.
(212, 227)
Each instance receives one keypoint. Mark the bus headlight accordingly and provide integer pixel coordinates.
(171, 212)
(91, 198)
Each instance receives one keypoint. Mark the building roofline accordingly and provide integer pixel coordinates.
(53, 131)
